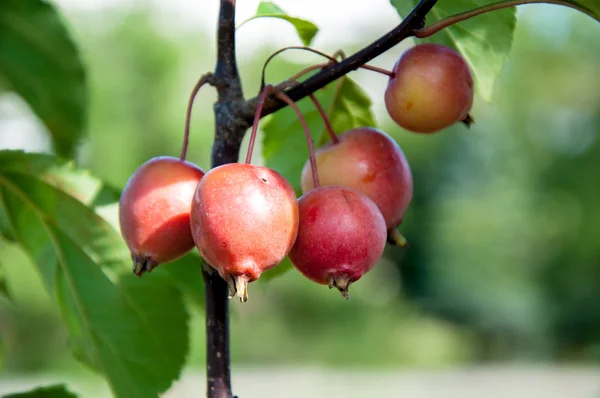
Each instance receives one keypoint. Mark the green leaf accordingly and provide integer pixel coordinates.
(279, 270)
(589, 7)
(134, 330)
(4, 292)
(61, 174)
(55, 391)
(485, 40)
(284, 143)
(65, 193)
(306, 29)
(39, 61)
(186, 274)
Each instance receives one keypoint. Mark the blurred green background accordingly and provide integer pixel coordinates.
(504, 228)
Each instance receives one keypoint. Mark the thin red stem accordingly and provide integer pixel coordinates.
(303, 72)
(298, 75)
(312, 50)
(325, 118)
(463, 16)
(377, 69)
(331, 58)
(311, 148)
(261, 102)
(342, 55)
(186, 135)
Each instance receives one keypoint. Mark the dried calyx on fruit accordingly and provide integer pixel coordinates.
(369, 161)
(341, 236)
(154, 211)
(244, 218)
(432, 88)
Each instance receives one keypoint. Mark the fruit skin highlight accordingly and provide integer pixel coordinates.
(341, 236)
(154, 211)
(368, 160)
(431, 90)
(244, 222)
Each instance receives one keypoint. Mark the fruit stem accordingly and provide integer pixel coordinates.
(206, 78)
(297, 75)
(325, 118)
(261, 102)
(463, 16)
(377, 69)
(341, 283)
(238, 286)
(311, 149)
(264, 68)
(331, 58)
(395, 238)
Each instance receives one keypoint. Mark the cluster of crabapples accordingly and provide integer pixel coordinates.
(245, 219)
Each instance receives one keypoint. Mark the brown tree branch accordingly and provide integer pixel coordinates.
(414, 20)
(229, 131)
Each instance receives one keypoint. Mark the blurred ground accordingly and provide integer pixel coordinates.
(488, 382)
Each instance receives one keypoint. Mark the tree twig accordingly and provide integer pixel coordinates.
(230, 128)
(463, 16)
(229, 132)
(414, 20)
